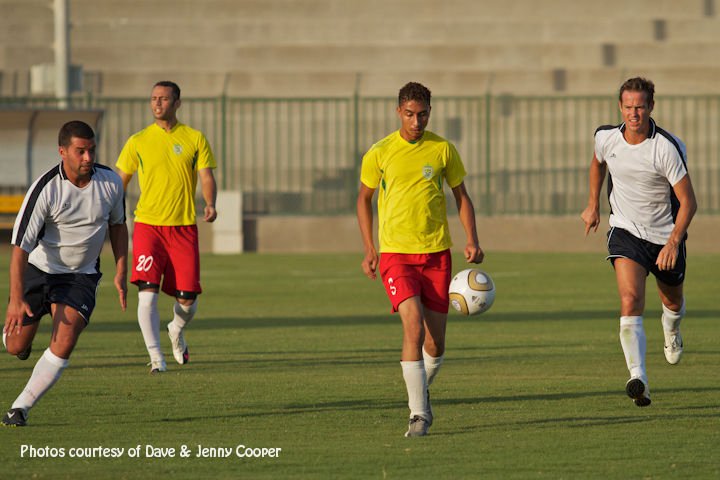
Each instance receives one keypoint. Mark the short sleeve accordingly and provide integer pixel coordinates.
(206, 159)
(117, 213)
(370, 172)
(128, 160)
(672, 162)
(30, 221)
(599, 142)
(454, 169)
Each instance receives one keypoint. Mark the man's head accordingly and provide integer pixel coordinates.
(413, 110)
(165, 100)
(639, 84)
(76, 129)
(636, 100)
(76, 145)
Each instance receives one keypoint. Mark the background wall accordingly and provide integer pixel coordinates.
(335, 47)
(312, 234)
(520, 86)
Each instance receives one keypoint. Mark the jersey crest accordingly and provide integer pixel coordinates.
(428, 172)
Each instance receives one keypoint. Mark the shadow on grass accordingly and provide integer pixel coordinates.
(369, 405)
(220, 323)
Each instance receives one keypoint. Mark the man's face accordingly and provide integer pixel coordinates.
(78, 157)
(635, 111)
(414, 116)
(163, 103)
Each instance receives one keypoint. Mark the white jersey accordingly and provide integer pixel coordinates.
(640, 180)
(62, 226)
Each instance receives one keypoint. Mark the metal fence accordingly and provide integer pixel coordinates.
(524, 155)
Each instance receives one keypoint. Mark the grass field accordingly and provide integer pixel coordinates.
(301, 353)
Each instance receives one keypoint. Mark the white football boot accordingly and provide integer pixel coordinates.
(179, 347)
(638, 389)
(673, 347)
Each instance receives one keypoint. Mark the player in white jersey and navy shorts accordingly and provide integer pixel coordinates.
(55, 266)
(652, 203)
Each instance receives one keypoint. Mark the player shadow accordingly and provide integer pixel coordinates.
(234, 323)
(566, 422)
(573, 315)
(372, 406)
(229, 323)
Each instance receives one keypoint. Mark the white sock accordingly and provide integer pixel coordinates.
(416, 383)
(632, 339)
(432, 366)
(149, 320)
(671, 320)
(47, 371)
(183, 314)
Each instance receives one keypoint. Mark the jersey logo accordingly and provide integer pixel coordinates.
(612, 155)
(427, 172)
(177, 148)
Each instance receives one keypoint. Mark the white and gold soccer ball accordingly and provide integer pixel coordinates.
(472, 292)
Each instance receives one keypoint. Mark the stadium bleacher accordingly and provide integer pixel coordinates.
(332, 47)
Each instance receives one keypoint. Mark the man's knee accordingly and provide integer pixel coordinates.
(185, 298)
(631, 303)
(14, 349)
(18, 343)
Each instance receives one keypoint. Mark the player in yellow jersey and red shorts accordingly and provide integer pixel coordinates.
(168, 157)
(408, 168)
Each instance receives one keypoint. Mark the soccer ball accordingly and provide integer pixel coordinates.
(472, 291)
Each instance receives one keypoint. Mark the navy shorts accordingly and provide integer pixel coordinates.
(77, 290)
(623, 244)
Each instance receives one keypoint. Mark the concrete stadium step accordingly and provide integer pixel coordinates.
(36, 33)
(349, 31)
(24, 10)
(340, 59)
(22, 58)
(309, 83)
(399, 9)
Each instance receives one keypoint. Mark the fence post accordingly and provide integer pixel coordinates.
(223, 138)
(356, 133)
(488, 150)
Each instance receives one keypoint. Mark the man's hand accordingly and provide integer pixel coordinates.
(121, 286)
(591, 217)
(473, 253)
(667, 257)
(370, 263)
(16, 311)
(210, 213)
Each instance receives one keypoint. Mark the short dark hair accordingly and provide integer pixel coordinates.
(173, 85)
(414, 91)
(74, 128)
(639, 84)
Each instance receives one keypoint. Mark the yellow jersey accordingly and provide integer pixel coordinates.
(412, 212)
(167, 165)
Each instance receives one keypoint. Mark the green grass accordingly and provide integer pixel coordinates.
(301, 353)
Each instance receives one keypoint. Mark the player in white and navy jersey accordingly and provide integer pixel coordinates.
(55, 265)
(652, 203)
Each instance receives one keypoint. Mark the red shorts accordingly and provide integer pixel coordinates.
(167, 251)
(426, 275)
